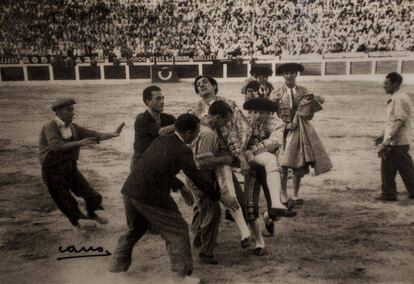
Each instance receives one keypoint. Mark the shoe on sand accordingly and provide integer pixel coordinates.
(95, 217)
(100, 220)
(284, 212)
(259, 251)
(385, 198)
(270, 228)
(245, 243)
(206, 259)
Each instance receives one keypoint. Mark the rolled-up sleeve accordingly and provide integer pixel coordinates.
(401, 109)
(82, 132)
(204, 184)
(206, 144)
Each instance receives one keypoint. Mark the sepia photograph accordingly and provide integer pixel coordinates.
(206, 141)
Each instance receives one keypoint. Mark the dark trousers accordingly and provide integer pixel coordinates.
(206, 218)
(64, 178)
(261, 182)
(168, 223)
(206, 221)
(253, 181)
(397, 159)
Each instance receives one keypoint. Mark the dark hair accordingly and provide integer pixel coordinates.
(147, 93)
(220, 108)
(211, 79)
(395, 78)
(186, 122)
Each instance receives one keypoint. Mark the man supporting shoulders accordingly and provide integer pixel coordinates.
(151, 123)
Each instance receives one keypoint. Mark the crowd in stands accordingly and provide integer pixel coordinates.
(248, 28)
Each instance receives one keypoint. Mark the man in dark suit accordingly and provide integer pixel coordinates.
(151, 123)
(148, 201)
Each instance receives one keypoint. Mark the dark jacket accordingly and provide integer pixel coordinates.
(152, 179)
(146, 130)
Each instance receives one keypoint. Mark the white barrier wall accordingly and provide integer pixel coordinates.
(361, 68)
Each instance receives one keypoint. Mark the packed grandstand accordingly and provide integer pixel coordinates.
(247, 28)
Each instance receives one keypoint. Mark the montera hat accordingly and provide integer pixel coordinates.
(289, 67)
(260, 104)
(261, 70)
(62, 102)
(253, 86)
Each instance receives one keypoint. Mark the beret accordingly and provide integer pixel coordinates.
(262, 104)
(289, 67)
(259, 70)
(62, 102)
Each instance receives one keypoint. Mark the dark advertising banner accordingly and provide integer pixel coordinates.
(12, 74)
(114, 72)
(38, 73)
(237, 70)
(89, 73)
(335, 68)
(139, 72)
(163, 74)
(407, 67)
(213, 70)
(312, 69)
(187, 71)
(385, 67)
(360, 68)
(64, 73)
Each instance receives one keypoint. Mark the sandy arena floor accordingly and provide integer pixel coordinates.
(341, 235)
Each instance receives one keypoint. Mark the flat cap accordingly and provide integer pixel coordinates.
(62, 102)
(261, 70)
(289, 67)
(262, 104)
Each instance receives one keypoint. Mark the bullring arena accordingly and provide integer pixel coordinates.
(341, 234)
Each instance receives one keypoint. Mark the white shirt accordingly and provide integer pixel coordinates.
(293, 90)
(399, 109)
(207, 106)
(179, 136)
(65, 130)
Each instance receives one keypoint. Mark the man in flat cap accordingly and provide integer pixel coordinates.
(260, 76)
(59, 144)
(289, 97)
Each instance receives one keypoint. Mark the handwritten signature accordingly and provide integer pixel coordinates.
(82, 252)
